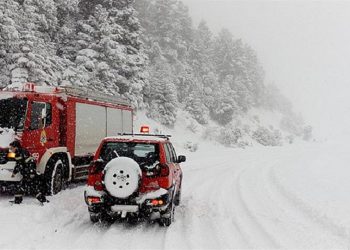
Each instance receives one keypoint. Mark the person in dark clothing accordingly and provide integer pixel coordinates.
(32, 182)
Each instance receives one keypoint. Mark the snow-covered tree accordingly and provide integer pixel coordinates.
(109, 49)
(9, 38)
(268, 137)
(162, 95)
(195, 106)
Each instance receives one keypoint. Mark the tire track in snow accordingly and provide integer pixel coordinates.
(265, 237)
(211, 213)
(183, 222)
(230, 209)
(306, 213)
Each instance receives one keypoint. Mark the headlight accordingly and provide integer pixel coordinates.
(11, 155)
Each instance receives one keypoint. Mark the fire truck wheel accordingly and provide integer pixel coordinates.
(54, 177)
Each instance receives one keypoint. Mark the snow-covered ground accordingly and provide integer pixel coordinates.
(295, 196)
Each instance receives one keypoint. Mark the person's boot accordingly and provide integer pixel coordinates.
(18, 199)
(41, 198)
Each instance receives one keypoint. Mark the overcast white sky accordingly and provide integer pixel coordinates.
(304, 47)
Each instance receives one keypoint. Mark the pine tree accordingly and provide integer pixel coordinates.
(110, 52)
(195, 106)
(9, 38)
(162, 95)
(200, 51)
(33, 59)
(68, 17)
(224, 106)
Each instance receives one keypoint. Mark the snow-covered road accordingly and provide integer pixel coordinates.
(285, 197)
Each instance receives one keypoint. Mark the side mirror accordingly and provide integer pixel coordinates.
(181, 158)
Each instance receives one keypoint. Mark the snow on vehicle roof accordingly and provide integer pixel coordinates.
(156, 138)
(6, 95)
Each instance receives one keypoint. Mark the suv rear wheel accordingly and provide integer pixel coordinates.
(168, 217)
(177, 198)
(95, 217)
(178, 195)
(101, 217)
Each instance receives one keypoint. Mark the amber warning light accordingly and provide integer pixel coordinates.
(144, 129)
(11, 155)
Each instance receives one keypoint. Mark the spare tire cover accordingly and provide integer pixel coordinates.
(122, 176)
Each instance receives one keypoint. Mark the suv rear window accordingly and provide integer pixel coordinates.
(137, 151)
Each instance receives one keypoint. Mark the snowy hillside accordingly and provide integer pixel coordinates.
(150, 53)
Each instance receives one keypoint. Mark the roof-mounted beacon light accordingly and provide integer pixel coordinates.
(144, 129)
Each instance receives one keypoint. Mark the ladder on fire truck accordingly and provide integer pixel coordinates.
(96, 96)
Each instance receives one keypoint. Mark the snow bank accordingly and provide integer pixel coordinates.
(317, 182)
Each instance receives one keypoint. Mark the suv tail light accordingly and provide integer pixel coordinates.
(95, 175)
(164, 170)
(93, 200)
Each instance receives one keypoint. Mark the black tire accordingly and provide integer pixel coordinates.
(168, 217)
(102, 218)
(132, 220)
(54, 177)
(177, 200)
(94, 218)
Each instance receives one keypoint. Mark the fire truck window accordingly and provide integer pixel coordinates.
(36, 119)
(48, 114)
(13, 111)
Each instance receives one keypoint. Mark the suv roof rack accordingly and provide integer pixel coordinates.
(160, 136)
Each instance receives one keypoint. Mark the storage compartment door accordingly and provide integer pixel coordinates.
(90, 127)
(127, 121)
(114, 121)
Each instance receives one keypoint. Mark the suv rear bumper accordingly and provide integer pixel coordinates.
(139, 206)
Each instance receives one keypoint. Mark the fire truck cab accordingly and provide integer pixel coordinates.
(61, 127)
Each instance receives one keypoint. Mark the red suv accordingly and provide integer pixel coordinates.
(134, 176)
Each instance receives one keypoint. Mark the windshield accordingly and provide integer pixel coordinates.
(142, 153)
(12, 113)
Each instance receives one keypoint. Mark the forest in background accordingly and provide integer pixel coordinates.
(150, 52)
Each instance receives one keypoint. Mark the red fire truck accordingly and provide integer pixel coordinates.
(61, 127)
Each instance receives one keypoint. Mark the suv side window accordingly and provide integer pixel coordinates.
(173, 152)
(37, 108)
(167, 153)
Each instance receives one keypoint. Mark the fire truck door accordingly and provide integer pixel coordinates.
(43, 133)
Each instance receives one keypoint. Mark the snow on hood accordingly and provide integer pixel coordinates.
(6, 137)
